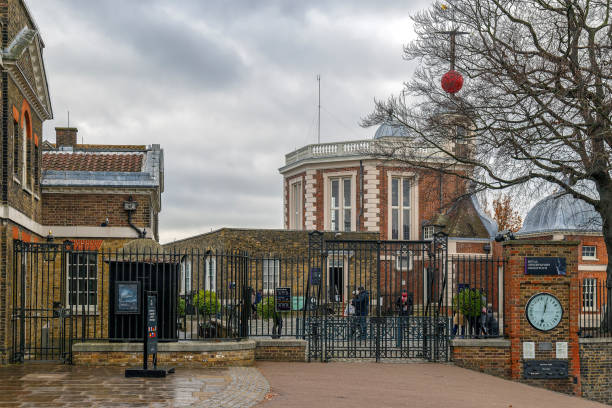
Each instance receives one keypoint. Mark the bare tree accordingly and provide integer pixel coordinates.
(536, 103)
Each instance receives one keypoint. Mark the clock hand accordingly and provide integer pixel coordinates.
(544, 311)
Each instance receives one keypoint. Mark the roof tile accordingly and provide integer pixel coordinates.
(92, 162)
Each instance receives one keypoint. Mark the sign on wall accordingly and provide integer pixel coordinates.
(282, 299)
(127, 297)
(540, 265)
(315, 276)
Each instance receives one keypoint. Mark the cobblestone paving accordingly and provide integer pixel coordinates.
(47, 385)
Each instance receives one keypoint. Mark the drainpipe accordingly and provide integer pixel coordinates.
(360, 195)
(130, 206)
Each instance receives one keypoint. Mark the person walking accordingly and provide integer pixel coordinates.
(403, 305)
(363, 300)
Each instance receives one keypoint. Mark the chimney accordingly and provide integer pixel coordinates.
(65, 137)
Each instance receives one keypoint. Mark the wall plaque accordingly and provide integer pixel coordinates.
(541, 265)
(127, 297)
(315, 276)
(539, 369)
(561, 351)
(282, 299)
(545, 346)
(528, 349)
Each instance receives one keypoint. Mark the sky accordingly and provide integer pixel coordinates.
(226, 87)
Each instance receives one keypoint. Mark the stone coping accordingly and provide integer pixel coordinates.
(586, 340)
(180, 346)
(504, 343)
(281, 343)
(538, 242)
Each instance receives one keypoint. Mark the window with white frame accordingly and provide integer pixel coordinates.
(295, 206)
(186, 277)
(589, 293)
(24, 161)
(16, 149)
(83, 281)
(271, 274)
(210, 279)
(340, 204)
(403, 261)
(589, 252)
(400, 208)
(428, 233)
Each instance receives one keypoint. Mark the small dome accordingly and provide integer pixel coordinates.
(390, 130)
(561, 213)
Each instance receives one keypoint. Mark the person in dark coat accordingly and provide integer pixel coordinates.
(363, 301)
(403, 305)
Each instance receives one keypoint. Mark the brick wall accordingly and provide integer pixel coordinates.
(490, 356)
(92, 209)
(184, 354)
(519, 288)
(596, 369)
(470, 247)
(280, 350)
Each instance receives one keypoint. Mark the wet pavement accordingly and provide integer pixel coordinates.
(50, 385)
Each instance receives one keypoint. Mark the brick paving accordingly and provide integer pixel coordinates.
(48, 385)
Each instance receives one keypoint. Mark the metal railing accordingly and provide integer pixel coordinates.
(594, 321)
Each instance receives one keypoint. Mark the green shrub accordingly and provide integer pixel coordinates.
(468, 302)
(265, 308)
(181, 307)
(206, 302)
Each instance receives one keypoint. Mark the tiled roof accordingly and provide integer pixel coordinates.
(77, 161)
(103, 147)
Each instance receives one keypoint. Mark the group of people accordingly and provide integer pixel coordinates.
(357, 310)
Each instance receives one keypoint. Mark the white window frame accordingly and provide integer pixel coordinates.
(210, 274)
(24, 149)
(186, 277)
(413, 201)
(78, 308)
(327, 192)
(428, 233)
(589, 287)
(270, 265)
(589, 257)
(295, 205)
(403, 266)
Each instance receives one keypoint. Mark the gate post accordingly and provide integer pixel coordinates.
(378, 301)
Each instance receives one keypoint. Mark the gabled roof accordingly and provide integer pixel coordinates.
(467, 220)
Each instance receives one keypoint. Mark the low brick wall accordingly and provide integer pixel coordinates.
(280, 350)
(596, 369)
(490, 356)
(193, 354)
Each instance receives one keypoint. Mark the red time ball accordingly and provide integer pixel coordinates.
(452, 81)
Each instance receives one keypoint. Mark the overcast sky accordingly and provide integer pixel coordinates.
(226, 87)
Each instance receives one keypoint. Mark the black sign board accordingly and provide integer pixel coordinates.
(151, 324)
(127, 297)
(545, 265)
(538, 369)
(282, 299)
(315, 276)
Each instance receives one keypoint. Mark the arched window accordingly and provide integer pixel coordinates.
(29, 166)
(36, 164)
(24, 161)
(16, 149)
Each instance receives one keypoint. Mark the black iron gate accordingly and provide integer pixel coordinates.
(39, 316)
(378, 299)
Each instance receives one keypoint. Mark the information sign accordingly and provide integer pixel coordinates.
(545, 369)
(315, 276)
(127, 297)
(545, 265)
(151, 324)
(282, 299)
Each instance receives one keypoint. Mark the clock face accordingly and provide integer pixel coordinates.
(544, 311)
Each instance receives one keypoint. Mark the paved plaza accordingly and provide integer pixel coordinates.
(270, 385)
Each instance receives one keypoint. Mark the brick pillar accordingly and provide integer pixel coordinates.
(66, 136)
(520, 287)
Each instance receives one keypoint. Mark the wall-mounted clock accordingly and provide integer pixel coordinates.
(544, 311)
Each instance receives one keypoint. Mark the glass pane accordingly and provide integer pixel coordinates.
(347, 193)
(335, 193)
(406, 193)
(406, 224)
(93, 285)
(334, 220)
(394, 192)
(93, 299)
(82, 298)
(82, 285)
(394, 224)
(347, 220)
